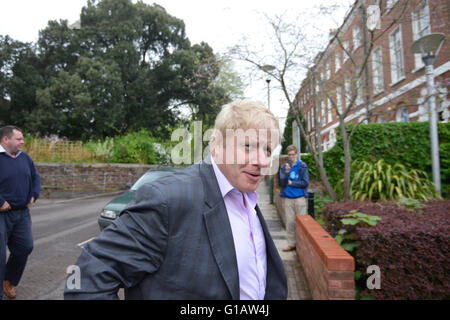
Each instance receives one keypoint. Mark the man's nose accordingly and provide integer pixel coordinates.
(263, 160)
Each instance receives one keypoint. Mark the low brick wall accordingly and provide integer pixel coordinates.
(328, 267)
(96, 177)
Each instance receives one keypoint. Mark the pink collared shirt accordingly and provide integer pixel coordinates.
(248, 238)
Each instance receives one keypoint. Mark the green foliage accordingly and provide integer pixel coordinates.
(287, 136)
(103, 150)
(346, 238)
(135, 147)
(129, 66)
(407, 143)
(411, 204)
(319, 204)
(382, 181)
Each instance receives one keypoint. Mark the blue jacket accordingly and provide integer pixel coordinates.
(300, 180)
(19, 180)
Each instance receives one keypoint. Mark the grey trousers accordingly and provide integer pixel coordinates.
(292, 207)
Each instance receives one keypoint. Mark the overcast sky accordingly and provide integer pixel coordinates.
(221, 24)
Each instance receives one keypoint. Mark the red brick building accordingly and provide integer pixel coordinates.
(392, 85)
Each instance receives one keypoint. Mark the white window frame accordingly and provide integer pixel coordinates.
(345, 45)
(397, 56)
(421, 26)
(348, 92)
(328, 70)
(377, 70)
(390, 3)
(323, 112)
(356, 37)
(402, 114)
(337, 61)
(359, 92)
(339, 99)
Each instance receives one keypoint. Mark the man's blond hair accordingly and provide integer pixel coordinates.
(245, 114)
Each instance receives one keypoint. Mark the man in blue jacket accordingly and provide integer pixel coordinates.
(20, 186)
(294, 179)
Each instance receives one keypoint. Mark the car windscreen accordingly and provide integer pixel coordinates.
(149, 177)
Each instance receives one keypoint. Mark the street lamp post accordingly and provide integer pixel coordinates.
(268, 93)
(267, 68)
(429, 46)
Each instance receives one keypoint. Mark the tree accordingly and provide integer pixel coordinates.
(126, 67)
(289, 42)
(347, 93)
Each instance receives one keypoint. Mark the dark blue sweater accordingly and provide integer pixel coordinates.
(19, 180)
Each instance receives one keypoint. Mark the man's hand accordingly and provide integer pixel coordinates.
(31, 202)
(287, 168)
(5, 206)
(289, 183)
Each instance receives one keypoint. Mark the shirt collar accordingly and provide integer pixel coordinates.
(2, 150)
(226, 187)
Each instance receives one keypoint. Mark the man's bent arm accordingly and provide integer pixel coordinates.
(124, 252)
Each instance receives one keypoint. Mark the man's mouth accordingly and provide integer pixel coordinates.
(253, 175)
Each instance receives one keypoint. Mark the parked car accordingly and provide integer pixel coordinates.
(112, 210)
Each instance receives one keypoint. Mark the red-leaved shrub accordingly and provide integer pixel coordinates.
(411, 247)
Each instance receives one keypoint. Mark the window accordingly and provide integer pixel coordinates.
(381, 119)
(402, 115)
(359, 92)
(339, 99)
(421, 27)
(337, 60)
(348, 93)
(396, 52)
(328, 70)
(356, 38)
(346, 49)
(377, 71)
(330, 107)
(390, 3)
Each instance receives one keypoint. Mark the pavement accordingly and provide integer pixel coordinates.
(298, 288)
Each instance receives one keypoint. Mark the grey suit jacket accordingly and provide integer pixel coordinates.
(174, 241)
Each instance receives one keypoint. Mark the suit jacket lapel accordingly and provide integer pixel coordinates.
(219, 230)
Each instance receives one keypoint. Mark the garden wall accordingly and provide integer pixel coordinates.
(328, 267)
(95, 177)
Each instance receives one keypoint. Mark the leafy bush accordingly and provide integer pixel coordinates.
(411, 249)
(382, 181)
(135, 147)
(103, 150)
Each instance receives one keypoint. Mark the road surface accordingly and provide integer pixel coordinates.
(60, 228)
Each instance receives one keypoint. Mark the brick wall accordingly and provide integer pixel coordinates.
(328, 267)
(73, 176)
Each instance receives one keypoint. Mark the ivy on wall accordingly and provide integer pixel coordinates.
(407, 143)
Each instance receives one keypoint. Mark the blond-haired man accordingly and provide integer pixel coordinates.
(198, 234)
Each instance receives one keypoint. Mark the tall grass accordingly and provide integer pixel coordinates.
(43, 150)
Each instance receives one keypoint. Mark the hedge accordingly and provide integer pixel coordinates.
(411, 247)
(404, 142)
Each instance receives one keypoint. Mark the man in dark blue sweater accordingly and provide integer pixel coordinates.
(20, 186)
(294, 179)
